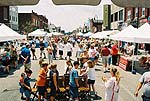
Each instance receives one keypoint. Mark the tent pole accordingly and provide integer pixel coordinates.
(133, 60)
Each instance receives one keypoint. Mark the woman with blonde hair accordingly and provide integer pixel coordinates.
(112, 85)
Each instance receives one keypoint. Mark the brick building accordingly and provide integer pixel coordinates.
(137, 16)
(32, 21)
(96, 25)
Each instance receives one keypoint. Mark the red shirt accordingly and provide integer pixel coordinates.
(114, 50)
(105, 52)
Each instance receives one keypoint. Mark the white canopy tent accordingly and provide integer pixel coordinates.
(38, 32)
(49, 34)
(7, 34)
(131, 34)
(57, 34)
(99, 35)
(79, 34)
(143, 35)
(104, 34)
(125, 35)
(87, 34)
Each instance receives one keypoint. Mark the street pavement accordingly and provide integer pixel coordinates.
(9, 87)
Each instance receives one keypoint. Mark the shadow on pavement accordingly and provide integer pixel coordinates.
(11, 72)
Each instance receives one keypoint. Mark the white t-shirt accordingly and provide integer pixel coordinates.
(145, 80)
(111, 87)
(91, 73)
(61, 46)
(69, 47)
(91, 53)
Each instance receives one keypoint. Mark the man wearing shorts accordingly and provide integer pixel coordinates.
(105, 52)
(69, 49)
(61, 47)
(42, 46)
(25, 54)
(74, 81)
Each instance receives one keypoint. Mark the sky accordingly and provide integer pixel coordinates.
(69, 17)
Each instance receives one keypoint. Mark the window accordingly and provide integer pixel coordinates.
(129, 14)
(143, 11)
(16, 19)
(136, 12)
(6, 13)
(112, 18)
(121, 15)
(116, 16)
(9, 17)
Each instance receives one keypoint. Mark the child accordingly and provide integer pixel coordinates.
(21, 81)
(26, 84)
(68, 67)
(73, 82)
(91, 75)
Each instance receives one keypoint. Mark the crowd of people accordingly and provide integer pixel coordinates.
(8, 58)
(88, 54)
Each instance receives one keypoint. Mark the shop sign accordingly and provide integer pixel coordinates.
(123, 62)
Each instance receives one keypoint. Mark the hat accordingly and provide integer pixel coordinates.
(27, 44)
(44, 63)
(85, 50)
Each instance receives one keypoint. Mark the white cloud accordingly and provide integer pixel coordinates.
(68, 17)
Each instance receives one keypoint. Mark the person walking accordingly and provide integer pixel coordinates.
(69, 49)
(41, 81)
(73, 82)
(79, 52)
(105, 52)
(33, 45)
(54, 49)
(50, 54)
(92, 53)
(145, 82)
(42, 46)
(114, 53)
(61, 47)
(112, 85)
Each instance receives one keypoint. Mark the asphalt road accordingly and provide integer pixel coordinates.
(9, 87)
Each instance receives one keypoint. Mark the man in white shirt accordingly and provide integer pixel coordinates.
(61, 47)
(69, 48)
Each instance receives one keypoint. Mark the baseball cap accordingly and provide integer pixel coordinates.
(44, 63)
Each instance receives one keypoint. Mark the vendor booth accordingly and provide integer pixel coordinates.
(7, 57)
(87, 34)
(7, 34)
(104, 34)
(38, 32)
(131, 34)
